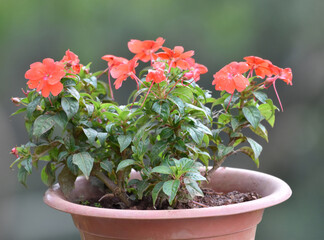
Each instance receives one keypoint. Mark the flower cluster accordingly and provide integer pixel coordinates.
(170, 128)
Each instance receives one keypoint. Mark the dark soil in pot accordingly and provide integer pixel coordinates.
(211, 199)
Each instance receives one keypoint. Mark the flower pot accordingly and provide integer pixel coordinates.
(237, 221)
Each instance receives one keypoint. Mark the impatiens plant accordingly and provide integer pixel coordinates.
(170, 131)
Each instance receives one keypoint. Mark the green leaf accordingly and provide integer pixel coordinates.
(162, 169)
(223, 150)
(253, 115)
(162, 108)
(157, 148)
(141, 186)
(27, 164)
(193, 189)
(92, 81)
(196, 134)
(19, 111)
(156, 190)
(102, 136)
(124, 141)
(195, 176)
(32, 106)
(261, 96)
(42, 124)
(70, 106)
(48, 174)
(186, 164)
(224, 118)
(170, 188)
(66, 180)
(107, 165)
(90, 109)
(84, 161)
(177, 101)
(73, 168)
(185, 94)
(235, 123)
(91, 134)
(74, 93)
(166, 133)
(22, 176)
(261, 131)
(60, 119)
(257, 148)
(125, 163)
(249, 151)
(267, 110)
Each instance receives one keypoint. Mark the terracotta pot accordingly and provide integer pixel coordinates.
(237, 221)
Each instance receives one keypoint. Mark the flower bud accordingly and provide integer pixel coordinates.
(15, 100)
(39, 108)
(14, 151)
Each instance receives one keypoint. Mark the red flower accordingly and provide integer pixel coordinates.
(46, 76)
(176, 57)
(15, 152)
(230, 77)
(157, 73)
(145, 50)
(71, 60)
(123, 71)
(261, 66)
(114, 61)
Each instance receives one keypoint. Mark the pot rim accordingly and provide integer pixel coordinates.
(281, 192)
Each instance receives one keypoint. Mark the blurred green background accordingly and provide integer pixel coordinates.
(290, 33)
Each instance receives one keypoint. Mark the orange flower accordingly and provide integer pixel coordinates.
(284, 74)
(71, 60)
(261, 66)
(114, 61)
(195, 70)
(46, 76)
(230, 77)
(123, 71)
(176, 57)
(145, 50)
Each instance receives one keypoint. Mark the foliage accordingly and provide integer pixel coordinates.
(170, 129)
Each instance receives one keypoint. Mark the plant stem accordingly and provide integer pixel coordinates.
(117, 191)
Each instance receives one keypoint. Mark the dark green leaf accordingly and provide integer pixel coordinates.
(32, 106)
(91, 134)
(19, 111)
(22, 176)
(162, 108)
(70, 106)
(102, 136)
(84, 161)
(107, 165)
(90, 109)
(170, 188)
(125, 163)
(61, 119)
(141, 186)
(223, 150)
(73, 168)
(166, 133)
(42, 124)
(196, 134)
(253, 115)
(158, 148)
(27, 164)
(156, 190)
(48, 174)
(124, 141)
(177, 101)
(66, 180)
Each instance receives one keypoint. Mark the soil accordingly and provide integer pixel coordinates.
(210, 199)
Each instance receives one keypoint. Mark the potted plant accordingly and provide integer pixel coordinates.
(151, 157)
